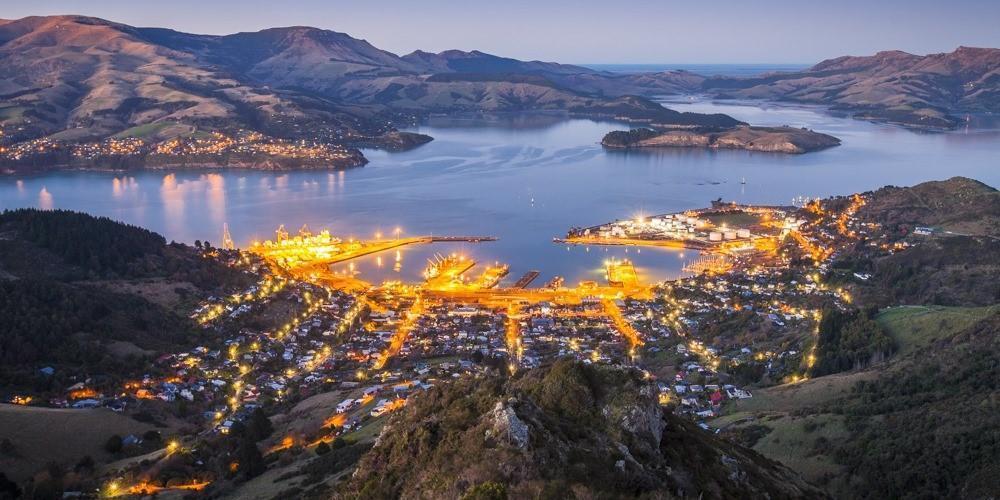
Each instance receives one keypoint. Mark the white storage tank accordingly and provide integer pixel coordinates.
(730, 235)
(714, 236)
(743, 233)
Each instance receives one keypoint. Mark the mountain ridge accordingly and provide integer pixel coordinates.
(927, 92)
(76, 79)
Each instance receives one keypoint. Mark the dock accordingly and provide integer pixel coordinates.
(555, 283)
(468, 239)
(526, 280)
(491, 276)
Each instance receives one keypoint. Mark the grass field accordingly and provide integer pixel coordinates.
(41, 435)
(156, 131)
(12, 112)
(799, 434)
(158, 291)
(913, 327)
(803, 441)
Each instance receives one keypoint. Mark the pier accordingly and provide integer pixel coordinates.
(323, 248)
(526, 280)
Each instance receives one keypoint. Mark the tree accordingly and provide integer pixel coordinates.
(8, 488)
(322, 448)
(86, 464)
(7, 448)
(113, 444)
(489, 490)
(259, 426)
(338, 443)
(251, 461)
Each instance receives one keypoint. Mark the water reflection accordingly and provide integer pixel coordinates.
(45, 201)
(524, 179)
(216, 195)
(173, 203)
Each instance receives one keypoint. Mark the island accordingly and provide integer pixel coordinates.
(766, 139)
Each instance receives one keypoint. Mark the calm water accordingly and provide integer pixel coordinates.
(733, 70)
(522, 178)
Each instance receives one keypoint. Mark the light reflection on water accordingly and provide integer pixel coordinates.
(523, 178)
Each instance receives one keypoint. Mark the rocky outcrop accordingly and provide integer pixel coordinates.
(506, 426)
(597, 432)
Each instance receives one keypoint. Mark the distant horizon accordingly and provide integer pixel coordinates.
(633, 32)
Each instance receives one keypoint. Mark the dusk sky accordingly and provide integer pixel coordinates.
(586, 31)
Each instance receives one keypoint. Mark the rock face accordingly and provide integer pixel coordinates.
(766, 139)
(505, 425)
(597, 432)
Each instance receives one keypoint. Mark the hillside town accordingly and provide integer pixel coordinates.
(298, 333)
(241, 147)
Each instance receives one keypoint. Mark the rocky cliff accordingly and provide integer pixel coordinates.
(569, 430)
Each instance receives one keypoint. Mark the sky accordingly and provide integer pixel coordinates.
(585, 31)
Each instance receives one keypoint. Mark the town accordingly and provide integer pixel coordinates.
(240, 147)
(303, 331)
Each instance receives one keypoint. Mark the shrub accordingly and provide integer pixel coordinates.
(113, 444)
(322, 449)
(489, 490)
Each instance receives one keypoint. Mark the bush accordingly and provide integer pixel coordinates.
(490, 490)
(86, 464)
(322, 449)
(338, 443)
(113, 444)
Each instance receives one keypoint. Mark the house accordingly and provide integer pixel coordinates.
(345, 405)
(716, 398)
(734, 393)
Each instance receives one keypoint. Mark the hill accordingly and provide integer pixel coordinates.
(930, 92)
(570, 430)
(39, 436)
(152, 96)
(954, 263)
(73, 285)
(958, 205)
(913, 420)
(917, 426)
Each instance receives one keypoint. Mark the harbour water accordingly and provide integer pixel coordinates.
(523, 178)
(731, 70)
